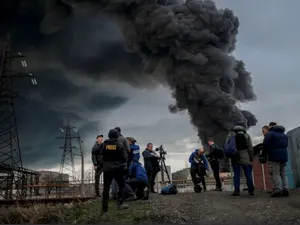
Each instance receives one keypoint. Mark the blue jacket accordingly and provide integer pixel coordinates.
(136, 170)
(275, 144)
(202, 157)
(134, 153)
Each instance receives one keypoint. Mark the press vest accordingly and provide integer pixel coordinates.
(111, 151)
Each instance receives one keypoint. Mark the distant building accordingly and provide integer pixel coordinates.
(51, 177)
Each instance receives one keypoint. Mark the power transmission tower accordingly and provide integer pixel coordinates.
(67, 161)
(12, 182)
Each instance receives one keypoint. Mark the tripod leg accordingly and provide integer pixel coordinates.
(166, 170)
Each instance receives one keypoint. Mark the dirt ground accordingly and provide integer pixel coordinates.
(185, 208)
(220, 208)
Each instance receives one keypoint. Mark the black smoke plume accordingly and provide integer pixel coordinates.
(187, 45)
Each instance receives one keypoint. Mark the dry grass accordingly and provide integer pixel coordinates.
(180, 209)
(89, 212)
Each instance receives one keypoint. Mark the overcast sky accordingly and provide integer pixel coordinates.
(267, 43)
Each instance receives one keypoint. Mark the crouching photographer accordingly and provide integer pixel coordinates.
(138, 180)
(199, 165)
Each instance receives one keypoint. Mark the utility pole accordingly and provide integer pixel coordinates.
(11, 184)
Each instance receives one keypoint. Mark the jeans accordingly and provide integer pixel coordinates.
(278, 175)
(237, 177)
(137, 186)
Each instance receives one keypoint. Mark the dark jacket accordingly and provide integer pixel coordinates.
(136, 170)
(245, 157)
(195, 156)
(134, 153)
(114, 160)
(150, 161)
(275, 144)
(212, 155)
(96, 154)
(124, 141)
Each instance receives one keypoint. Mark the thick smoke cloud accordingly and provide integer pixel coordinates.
(188, 46)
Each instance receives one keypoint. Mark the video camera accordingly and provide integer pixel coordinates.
(161, 151)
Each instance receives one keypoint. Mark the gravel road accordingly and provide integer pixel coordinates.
(220, 208)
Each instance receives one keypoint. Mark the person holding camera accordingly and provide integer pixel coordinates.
(115, 157)
(97, 161)
(199, 165)
(151, 164)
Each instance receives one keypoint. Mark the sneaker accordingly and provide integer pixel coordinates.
(235, 194)
(131, 198)
(285, 193)
(123, 206)
(276, 194)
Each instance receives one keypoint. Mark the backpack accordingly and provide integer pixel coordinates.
(241, 141)
(230, 147)
(169, 190)
(236, 143)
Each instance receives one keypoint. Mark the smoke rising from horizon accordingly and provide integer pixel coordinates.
(187, 45)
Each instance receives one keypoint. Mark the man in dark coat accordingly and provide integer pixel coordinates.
(275, 147)
(97, 161)
(214, 156)
(115, 158)
(151, 164)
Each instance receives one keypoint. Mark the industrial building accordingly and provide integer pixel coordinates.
(46, 177)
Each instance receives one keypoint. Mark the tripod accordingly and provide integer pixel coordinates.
(164, 169)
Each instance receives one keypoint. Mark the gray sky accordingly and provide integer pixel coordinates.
(267, 43)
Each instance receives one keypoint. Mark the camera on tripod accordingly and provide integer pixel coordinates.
(161, 151)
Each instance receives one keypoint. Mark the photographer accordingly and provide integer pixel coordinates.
(151, 165)
(199, 165)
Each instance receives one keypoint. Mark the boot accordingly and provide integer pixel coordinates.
(218, 189)
(285, 193)
(276, 194)
(235, 194)
(146, 197)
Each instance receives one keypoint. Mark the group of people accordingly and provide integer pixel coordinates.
(239, 149)
(118, 159)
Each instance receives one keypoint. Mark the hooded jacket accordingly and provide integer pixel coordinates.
(194, 163)
(134, 153)
(137, 171)
(245, 157)
(275, 144)
(120, 156)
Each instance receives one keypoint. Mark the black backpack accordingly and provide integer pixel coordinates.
(241, 141)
